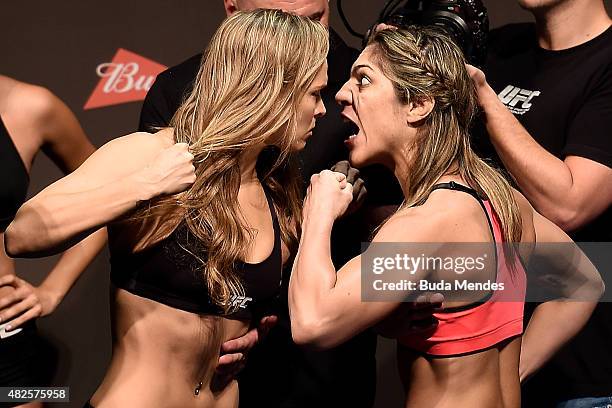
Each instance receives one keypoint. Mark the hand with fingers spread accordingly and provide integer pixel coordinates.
(412, 317)
(329, 195)
(25, 303)
(172, 171)
(353, 177)
(234, 352)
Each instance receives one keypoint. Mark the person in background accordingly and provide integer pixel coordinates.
(547, 106)
(32, 120)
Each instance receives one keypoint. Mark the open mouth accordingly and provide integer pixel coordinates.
(352, 127)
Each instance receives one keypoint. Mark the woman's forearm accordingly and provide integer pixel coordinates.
(325, 306)
(312, 277)
(111, 182)
(552, 325)
(544, 179)
(52, 222)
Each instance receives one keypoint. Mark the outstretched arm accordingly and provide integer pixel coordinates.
(112, 181)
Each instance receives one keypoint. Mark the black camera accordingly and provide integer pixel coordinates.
(465, 21)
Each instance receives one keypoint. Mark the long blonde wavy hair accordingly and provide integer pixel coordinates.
(257, 67)
(422, 62)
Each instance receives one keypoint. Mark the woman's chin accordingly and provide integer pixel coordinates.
(356, 159)
(298, 145)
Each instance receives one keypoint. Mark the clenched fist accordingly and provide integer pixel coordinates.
(171, 171)
(329, 195)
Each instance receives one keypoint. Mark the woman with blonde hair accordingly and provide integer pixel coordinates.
(412, 102)
(193, 269)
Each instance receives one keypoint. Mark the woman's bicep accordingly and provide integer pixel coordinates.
(368, 293)
(114, 160)
(356, 307)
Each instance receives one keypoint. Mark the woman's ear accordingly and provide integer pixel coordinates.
(419, 109)
(230, 7)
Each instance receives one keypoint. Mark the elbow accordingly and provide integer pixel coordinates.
(13, 244)
(594, 289)
(568, 219)
(599, 288)
(28, 236)
(311, 333)
(20, 242)
(570, 222)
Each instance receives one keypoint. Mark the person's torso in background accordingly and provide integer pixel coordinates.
(564, 100)
(552, 94)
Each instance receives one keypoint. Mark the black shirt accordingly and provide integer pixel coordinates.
(297, 377)
(564, 100)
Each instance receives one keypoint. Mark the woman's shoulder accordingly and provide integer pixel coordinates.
(32, 102)
(413, 224)
(441, 218)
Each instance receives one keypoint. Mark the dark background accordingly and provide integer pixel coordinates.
(59, 44)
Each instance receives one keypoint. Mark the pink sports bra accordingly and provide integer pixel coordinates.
(480, 325)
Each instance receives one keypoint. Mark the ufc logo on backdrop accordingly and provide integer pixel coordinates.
(517, 100)
(127, 78)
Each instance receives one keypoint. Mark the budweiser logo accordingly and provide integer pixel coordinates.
(127, 78)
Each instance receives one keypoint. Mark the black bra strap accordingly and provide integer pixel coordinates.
(460, 187)
(275, 223)
(276, 249)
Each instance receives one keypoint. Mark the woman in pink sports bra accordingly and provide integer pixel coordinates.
(411, 102)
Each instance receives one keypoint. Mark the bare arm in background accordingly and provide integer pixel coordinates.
(570, 192)
(555, 322)
(41, 121)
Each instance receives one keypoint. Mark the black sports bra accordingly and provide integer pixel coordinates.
(168, 272)
(15, 179)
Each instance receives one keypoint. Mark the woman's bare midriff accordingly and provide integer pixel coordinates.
(161, 354)
(486, 379)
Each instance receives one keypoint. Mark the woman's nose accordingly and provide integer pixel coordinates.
(344, 96)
